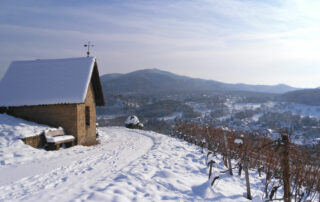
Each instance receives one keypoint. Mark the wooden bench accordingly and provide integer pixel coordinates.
(56, 138)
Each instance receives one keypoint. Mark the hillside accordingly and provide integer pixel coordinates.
(165, 107)
(154, 80)
(127, 165)
(306, 96)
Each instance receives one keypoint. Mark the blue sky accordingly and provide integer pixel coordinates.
(234, 41)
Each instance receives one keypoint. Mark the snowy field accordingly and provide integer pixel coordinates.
(172, 116)
(298, 109)
(128, 165)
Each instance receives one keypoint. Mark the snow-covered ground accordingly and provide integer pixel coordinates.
(12, 149)
(245, 106)
(172, 116)
(128, 165)
(298, 109)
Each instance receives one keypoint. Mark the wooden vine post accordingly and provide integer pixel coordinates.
(246, 167)
(285, 158)
(227, 151)
(210, 169)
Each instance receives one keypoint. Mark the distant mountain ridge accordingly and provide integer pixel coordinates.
(155, 80)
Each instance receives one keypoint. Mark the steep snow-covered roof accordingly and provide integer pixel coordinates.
(45, 82)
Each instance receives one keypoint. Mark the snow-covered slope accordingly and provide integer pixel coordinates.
(12, 149)
(128, 165)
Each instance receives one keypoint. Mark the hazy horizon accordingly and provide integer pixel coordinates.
(232, 41)
(195, 77)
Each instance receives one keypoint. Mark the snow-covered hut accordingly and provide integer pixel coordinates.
(133, 122)
(56, 92)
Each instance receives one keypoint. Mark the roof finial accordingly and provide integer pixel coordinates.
(88, 45)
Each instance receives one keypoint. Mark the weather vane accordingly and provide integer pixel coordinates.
(88, 45)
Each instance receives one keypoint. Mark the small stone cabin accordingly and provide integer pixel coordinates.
(56, 92)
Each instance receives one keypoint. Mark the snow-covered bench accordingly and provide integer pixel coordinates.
(55, 138)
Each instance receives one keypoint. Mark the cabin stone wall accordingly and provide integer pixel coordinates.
(87, 133)
(62, 115)
(37, 141)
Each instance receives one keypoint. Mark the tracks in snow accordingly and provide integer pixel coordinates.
(99, 164)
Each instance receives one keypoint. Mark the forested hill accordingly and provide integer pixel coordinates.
(154, 80)
(306, 96)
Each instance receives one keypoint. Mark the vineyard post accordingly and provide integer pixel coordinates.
(285, 165)
(245, 167)
(227, 150)
(210, 169)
